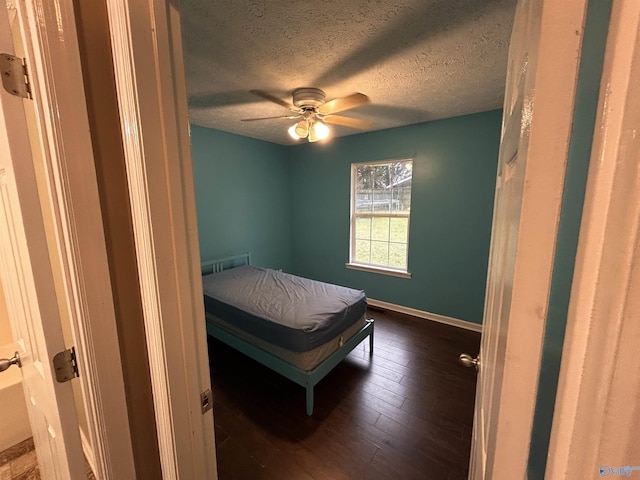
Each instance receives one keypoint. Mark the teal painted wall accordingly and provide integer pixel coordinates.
(451, 209)
(584, 117)
(242, 197)
(289, 206)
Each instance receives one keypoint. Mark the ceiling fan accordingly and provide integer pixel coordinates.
(314, 112)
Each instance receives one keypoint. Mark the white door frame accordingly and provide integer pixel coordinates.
(596, 416)
(147, 52)
(71, 193)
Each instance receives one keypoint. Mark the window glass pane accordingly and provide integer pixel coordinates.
(382, 189)
(364, 177)
(364, 188)
(362, 253)
(379, 253)
(363, 228)
(364, 201)
(401, 186)
(380, 228)
(399, 230)
(405, 198)
(398, 255)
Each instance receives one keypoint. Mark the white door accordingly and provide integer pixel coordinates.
(538, 108)
(504, 236)
(28, 284)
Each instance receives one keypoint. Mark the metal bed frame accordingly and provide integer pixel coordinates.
(306, 379)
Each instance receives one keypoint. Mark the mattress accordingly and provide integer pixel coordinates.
(306, 361)
(290, 312)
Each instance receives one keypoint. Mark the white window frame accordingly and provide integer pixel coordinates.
(396, 272)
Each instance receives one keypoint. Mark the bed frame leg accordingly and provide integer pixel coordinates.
(309, 400)
(371, 345)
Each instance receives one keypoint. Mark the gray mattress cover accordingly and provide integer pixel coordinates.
(292, 312)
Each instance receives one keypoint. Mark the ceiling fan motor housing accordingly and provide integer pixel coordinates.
(308, 97)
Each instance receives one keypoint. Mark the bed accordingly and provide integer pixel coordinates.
(298, 327)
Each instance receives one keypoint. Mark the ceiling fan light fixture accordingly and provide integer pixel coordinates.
(314, 112)
(312, 135)
(302, 128)
(321, 130)
(309, 129)
(292, 132)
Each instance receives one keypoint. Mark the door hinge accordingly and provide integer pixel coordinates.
(15, 78)
(206, 400)
(65, 365)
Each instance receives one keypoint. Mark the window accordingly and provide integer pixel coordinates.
(380, 207)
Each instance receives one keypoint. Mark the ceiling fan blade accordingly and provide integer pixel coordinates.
(348, 122)
(273, 99)
(344, 103)
(269, 118)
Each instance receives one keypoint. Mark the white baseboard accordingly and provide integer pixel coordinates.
(426, 315)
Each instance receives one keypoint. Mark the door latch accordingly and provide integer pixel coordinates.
(206, 400)
(7, 362)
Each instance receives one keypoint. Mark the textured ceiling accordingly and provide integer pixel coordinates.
(416, 60)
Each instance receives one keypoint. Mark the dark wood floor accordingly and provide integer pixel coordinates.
(405, 414)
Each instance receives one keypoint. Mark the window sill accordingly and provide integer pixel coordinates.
(382, 270)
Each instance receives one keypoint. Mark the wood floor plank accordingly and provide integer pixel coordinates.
(404, 413)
